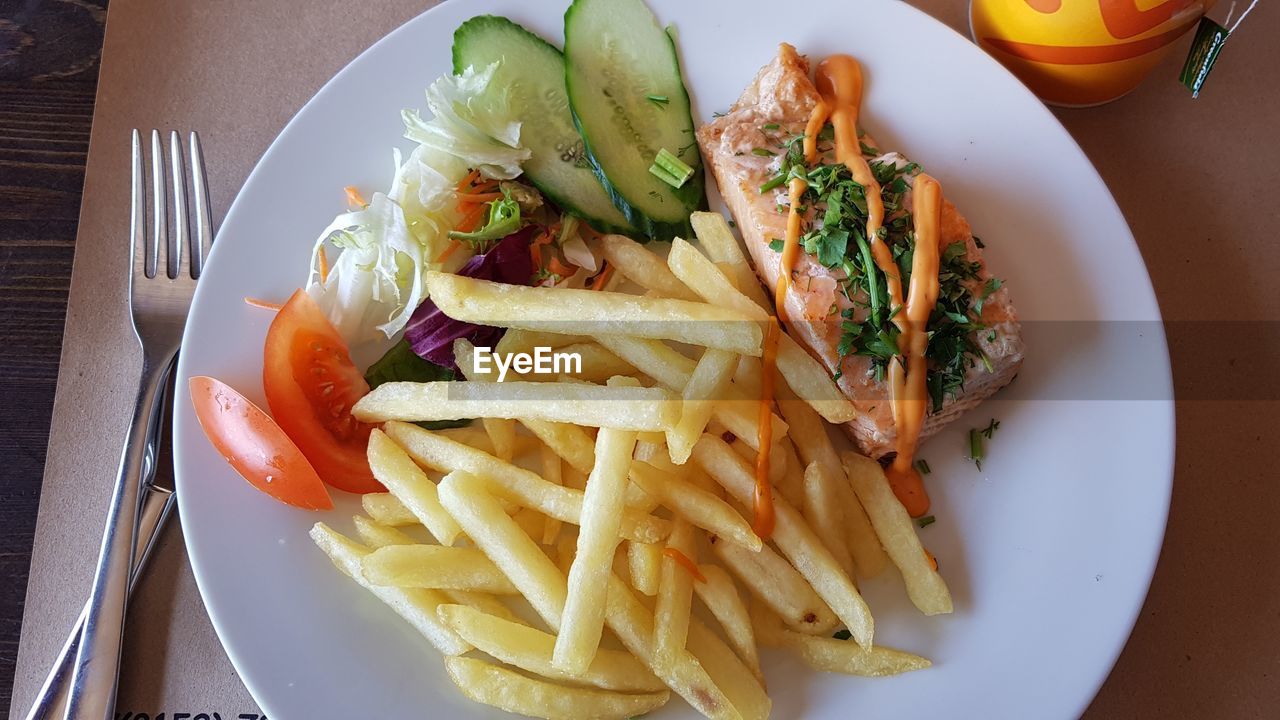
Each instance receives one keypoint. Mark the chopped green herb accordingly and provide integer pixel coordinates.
(770, 126)
(923, 466)
(659, 100)
(842, 635)
(992, 285)
(718, 114)
(670, 169)
(777, 244)
(503, 219)
(926, 521)
(763, 152)
(775, 182)
(978, 241)
(991, 428)
(732, 224)
(975, 447)
(868, 150)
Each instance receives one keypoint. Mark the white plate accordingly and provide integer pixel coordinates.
(1049, 549)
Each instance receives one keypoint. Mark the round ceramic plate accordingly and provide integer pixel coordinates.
(1048, 549)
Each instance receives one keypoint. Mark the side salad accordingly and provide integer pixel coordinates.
(524, 158)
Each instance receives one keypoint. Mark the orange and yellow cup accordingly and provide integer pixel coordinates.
(1081, 52)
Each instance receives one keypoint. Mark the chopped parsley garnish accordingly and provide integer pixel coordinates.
(670, 169)
(763, 152)
(923, 466)
(977, 448)
(777, 244)
(926, 521)
(769, 126)
(659, 100)
(842, 635)
(990, 429)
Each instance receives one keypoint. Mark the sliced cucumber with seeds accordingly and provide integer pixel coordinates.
(629, 102)
(532, 71)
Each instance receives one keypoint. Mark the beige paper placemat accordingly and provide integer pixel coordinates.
(237, 70)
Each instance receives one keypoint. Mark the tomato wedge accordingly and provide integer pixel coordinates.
(256, 446)
(311, 385)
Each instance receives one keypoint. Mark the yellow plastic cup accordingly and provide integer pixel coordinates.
(1078, 53)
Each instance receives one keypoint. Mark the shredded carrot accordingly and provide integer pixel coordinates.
(535, 248)
(444, 255)
(468, 223)
(559, 268)
(599, 282)
(686, 562)
(466, 181)
(324, 266)
(255, 302)
(479, 197)
(354, 197)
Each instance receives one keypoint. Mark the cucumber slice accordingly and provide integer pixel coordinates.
(532, 71)
(618, 59)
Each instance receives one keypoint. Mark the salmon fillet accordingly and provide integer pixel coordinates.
(783, 94)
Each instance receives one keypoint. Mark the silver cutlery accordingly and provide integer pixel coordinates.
(159, 299)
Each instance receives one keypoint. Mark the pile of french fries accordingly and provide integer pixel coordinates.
(553, 552)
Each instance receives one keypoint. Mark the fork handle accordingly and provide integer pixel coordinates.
(97, 666)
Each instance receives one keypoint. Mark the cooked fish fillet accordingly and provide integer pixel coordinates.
(783, 93)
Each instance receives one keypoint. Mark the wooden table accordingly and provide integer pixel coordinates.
(48, 74)
(1204, 645)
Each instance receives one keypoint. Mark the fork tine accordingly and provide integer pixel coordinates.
(142, 254)
(204, 225)
(178, 241)
(159, 220)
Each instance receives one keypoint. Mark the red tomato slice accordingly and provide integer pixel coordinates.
(311, 385)
(255, 446)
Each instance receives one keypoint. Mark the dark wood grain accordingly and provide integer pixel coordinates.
(49, 53)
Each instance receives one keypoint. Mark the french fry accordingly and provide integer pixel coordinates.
(793, 537)
(532, 522)
(675, 597)
(832, 655)
(700, 507)
(376, 535)
(508, 690)
(552, 467)
(790, 483)
(570, 442)
(672, 370)
(397, 471)
(627, 408)
(566, 549)
(633, 624)
(748, 375)
(656, 455)
(780, 475)
(772, 580)
(530, 649)
(703, 277)
(720, 244)
(593, 312)
(644, 560)
(596, 364)
(501, 431)
(739, 683)
(897, 532)
(387, 509)
(513, 482)
(721, 597)
(416, 605)
(707, 384)
(814, 446)
(642, 267)
(602, 507)
(480, 514)
(436, 567)
(472, 435)
(825, 514)
(516, 341)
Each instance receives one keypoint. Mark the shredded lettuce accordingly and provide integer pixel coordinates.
(504, 219)
(376, 281)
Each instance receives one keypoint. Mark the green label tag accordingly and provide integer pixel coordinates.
(1210, 37)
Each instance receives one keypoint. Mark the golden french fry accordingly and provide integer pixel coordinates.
(739, 683)
(747, 376)
(501, 431)
(738, 412)
(897, 532)
(707, 384)
(832, 655)
(397, 471)
(595, 364)
(593, 312)
(387, 509)
(627, 408)
(721, 597)
(645, 563)
(530, 649)
(825, 514)
(794, 538)
(700, 507)
(435, 566)
(720, 244)
(376, 535)
(480, 514)
(532, 522)
(552, 468)
(790, 482)
(642, 267)
(772, 580)
(602, 508)
(516, 341)
(513, 482)
(416, 605)
(656, 455)
(780, 471)
(703, 277)
(675, 596)
(815, 446)
(570, 442)
(566, 549)
(509, 690)
(633, 624)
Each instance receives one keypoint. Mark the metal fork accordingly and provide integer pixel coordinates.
(159, 299)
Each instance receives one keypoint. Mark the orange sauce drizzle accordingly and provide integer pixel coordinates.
(686, 562)
(839, 82)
